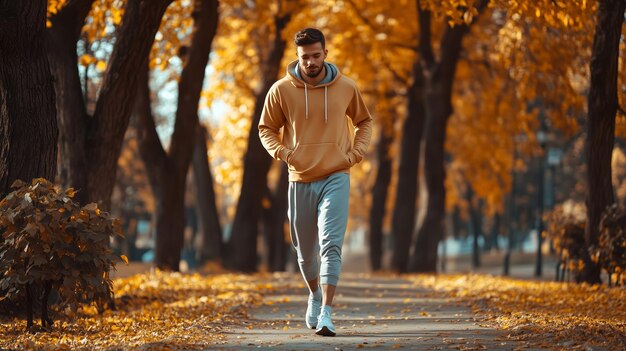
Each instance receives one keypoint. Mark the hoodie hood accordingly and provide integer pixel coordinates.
(294, 75)
(332, 75)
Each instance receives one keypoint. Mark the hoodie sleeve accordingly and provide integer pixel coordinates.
(362, 121)
(272, 119)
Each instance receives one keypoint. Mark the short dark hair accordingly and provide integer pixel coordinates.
(309, 36)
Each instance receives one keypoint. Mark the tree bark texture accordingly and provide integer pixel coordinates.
(210, 227)
(242, 247)
(602, 106)
(28, 126)
(105, 131)
(72, 117)
(167, 171)
(379, 194)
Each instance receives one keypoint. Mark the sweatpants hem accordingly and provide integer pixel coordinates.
(329, 280)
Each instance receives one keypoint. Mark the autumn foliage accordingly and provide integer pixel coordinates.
(566, 230)
(155, 311)
(610, 252)
(546, 315)
(48, 239)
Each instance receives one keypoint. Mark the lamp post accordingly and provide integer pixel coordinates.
(542, 137)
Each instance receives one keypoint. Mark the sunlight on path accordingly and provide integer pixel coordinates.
(371, 312)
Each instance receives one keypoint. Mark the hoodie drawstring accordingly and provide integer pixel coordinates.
(326, 104)
(306, 103)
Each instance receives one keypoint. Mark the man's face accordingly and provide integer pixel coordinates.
(311, 59)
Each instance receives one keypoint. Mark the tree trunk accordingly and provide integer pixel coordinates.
(475, 211)
(71, 113)
(492, 242)
(440, 78)
(540, 206)
(432, 204)
(210, 227)
(242, 247)
(165, 182)
(478, 233)
(458, 223)
(170, 218)
(403, 222)
(274, 224)
(28, 126)
(379, 194)
(105, 132)
(602, 105)
(168, 171)
(512, 220)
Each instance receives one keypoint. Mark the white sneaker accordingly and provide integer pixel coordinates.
(325, 325)
(312, 311)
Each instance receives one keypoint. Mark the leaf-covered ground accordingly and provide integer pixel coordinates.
(155, 311)
(541, 313)
(170, 311)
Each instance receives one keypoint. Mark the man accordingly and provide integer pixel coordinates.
(313, 104)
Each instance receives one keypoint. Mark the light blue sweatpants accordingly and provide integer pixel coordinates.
(318, 216)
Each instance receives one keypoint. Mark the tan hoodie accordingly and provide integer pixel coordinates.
(317, 140)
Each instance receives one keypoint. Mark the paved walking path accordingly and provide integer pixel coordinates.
(371, 312)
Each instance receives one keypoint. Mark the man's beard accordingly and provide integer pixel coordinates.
(313, 74)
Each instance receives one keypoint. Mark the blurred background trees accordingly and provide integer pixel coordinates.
(490, 117)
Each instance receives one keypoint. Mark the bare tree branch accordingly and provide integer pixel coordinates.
(425, 46)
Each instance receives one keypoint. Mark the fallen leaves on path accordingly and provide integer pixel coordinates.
(155, 311)
(542, 313)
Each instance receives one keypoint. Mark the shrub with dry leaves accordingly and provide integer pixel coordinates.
(566, 230)
(610, 252)
(49, 243)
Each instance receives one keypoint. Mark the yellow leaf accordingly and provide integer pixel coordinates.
(101, 66)
(86, 60)
(70, 192)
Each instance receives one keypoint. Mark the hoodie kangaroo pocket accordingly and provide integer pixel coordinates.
(318, 159)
